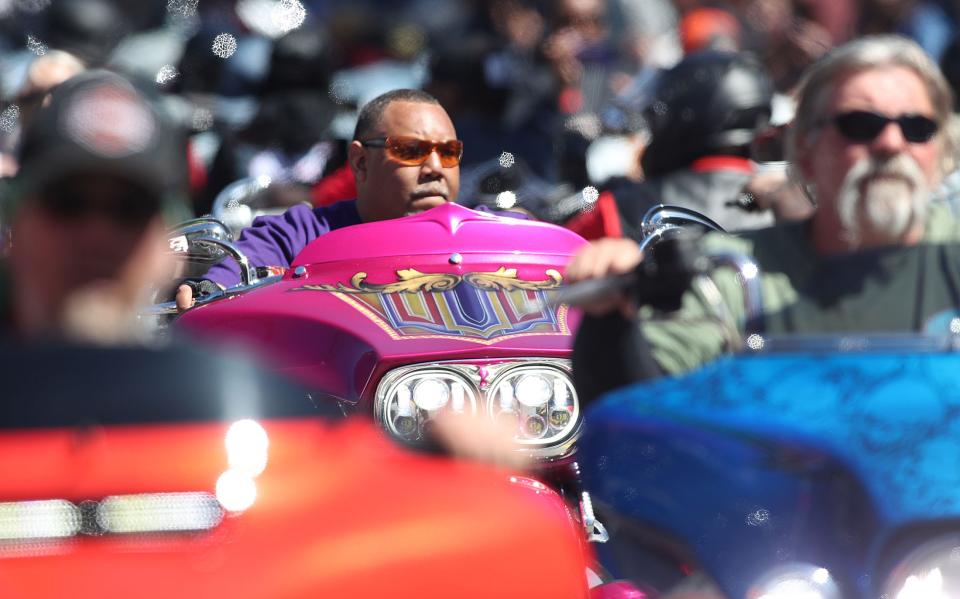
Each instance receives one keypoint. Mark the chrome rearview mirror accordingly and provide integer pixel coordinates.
(208, 241)
(183, 240)
(660, 221)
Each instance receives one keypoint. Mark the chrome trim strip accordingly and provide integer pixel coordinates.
(856, 343)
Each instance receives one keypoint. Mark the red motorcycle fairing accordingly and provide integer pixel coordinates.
(339, 511)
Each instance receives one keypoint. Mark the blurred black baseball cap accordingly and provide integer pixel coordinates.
(101, 123)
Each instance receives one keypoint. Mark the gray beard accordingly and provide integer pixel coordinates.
(883, 208)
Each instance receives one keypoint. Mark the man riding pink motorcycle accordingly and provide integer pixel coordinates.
(421, 320)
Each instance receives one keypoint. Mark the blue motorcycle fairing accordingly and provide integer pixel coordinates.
(759, 460)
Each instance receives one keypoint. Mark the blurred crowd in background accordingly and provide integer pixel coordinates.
(547, 95)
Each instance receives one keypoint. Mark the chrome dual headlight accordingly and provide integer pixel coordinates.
(931, 571)
(536, 398)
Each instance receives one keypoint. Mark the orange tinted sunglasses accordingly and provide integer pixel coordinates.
(410, 151)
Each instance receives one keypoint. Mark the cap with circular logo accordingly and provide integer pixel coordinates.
(100, 123)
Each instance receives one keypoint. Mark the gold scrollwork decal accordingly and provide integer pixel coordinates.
(409, 280)
(506, 279)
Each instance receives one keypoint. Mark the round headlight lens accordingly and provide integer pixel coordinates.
(795, 581)
(407, 404)
(533, 390)
(431, 394)
(539, 401)
(931, 571)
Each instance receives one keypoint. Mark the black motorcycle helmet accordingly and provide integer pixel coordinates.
(710, 103)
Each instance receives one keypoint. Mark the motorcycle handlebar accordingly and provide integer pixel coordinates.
(659, 280)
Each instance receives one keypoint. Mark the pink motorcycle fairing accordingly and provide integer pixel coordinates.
(446, 284)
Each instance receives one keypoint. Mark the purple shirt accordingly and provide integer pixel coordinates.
(276, 240)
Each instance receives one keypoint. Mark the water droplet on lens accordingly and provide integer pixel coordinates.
(506, 160)
(167, 74)
(506, 200)
(182, 8)
(758, 518)
(755, 342)
(587, 126)
(9, 118)
(224, 45)
(202, 119)
(36, 46)
(339, 92)
(287, 15)
(590, 194)
(955, 326)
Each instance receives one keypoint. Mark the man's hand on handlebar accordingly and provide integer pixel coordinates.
(603, 258)
(190, 289)
(184, 298)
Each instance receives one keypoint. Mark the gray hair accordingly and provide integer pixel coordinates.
(869, 52)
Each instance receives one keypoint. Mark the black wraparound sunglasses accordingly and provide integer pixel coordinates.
(864, 126)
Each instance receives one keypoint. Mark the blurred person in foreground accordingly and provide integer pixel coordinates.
(869, 144)
(405, 158)
(99, 170)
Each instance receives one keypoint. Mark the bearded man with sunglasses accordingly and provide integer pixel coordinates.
(405, 158)
(869, 145)
(102, 172)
